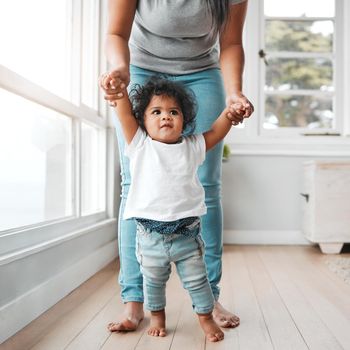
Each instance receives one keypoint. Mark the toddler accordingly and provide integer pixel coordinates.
(165, 197)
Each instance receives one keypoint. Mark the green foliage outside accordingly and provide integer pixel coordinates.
(289, 74)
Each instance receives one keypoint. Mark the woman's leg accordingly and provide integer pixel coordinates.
(209, 91)
(130, 277)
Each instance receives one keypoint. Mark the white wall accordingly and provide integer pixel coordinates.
(261, 198)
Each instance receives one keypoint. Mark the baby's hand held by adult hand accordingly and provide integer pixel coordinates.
(114, 84)
(243, 108)
(236, 113)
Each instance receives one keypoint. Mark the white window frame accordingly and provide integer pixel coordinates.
(38, 234)
(297, 131)
(252, 139)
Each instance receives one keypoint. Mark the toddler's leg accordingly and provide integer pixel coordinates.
(157, 328)
(155, 268)
(192, 271)
(154, 289)
(211, 329)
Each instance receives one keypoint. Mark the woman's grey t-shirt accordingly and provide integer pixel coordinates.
(174, 36)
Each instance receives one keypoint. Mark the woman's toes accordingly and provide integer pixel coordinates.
(234, 321)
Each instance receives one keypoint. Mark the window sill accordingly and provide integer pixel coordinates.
(320, 146)
(21, 238)
(35, 246)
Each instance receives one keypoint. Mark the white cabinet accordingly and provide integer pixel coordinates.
(326, 204)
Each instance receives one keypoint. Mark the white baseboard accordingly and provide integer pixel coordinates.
(21, 311)
(264, 237)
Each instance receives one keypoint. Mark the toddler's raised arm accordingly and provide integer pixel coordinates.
(123, 107)
(221, 126)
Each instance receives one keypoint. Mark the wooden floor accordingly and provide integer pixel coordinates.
(287, 298)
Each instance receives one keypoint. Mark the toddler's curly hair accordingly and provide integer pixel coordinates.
(140, 97)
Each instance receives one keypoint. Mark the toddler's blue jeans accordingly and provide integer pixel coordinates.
(156, 251)
(208, 88)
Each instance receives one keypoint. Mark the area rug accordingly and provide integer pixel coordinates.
(340, 266)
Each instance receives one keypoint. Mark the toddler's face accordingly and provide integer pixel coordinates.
(164, 119)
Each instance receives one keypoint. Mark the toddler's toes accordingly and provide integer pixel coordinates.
(152, 332)
(214, 337)
(220, 335)
(155, 332)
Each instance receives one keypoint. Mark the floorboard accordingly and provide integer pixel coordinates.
(286, 298)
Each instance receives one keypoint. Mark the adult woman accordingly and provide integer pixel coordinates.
(181, 39)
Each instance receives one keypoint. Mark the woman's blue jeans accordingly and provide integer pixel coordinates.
(208, 88)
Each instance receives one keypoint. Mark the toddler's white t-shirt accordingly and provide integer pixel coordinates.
(164, 181)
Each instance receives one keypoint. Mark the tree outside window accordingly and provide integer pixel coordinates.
(299, 73)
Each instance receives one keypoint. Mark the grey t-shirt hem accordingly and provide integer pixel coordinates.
(173, 67)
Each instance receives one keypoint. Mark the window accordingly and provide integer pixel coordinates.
(93, 165)
(53, 132)
(299, 88)
(297, 77)
(89, 53)
(35, 42)
(36, 163)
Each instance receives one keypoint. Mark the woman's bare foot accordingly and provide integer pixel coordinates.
(224, 318)
(211, 329)
(131, 318)
(157, 328)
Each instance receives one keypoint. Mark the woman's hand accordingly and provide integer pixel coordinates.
(243, 108)
(113, 84)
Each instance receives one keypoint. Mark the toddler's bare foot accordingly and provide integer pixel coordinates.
(157, 328)
(132, 316)
(223, 317)
(211, 329)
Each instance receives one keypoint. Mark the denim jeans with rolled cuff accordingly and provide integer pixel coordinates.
(156, 251)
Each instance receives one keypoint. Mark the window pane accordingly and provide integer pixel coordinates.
(89, 55)
(36, 158)
(309, 36)
(286, 74)
(299, 8)
(298, 111)
(93, 169)
(33, 36)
